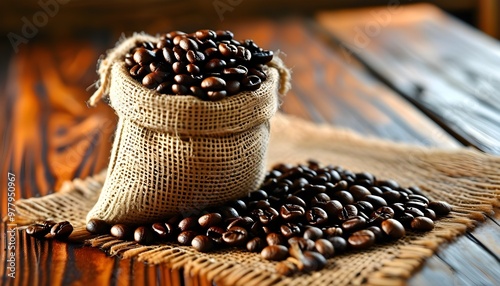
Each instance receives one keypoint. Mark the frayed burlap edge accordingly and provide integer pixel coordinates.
(481, 192)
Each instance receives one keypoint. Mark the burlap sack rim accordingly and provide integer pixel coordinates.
(205, 110)
(394, 272)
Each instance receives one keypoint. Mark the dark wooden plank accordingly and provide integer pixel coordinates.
(444, 67)
(403, 24)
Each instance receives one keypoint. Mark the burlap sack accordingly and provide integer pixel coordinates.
(177, 154)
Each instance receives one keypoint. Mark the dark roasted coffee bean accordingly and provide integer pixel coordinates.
(393, 228)
(274, 252)
(388, 183)
(98, 226)
(339, 243)
(61, 230)
(186, 237)
(216, 95)
(398, 209)
(414, 211)
(290, 229)
(235, 236)
(129, 61)
(163, 230)
(251, 83)
(359, 192)
(149, 81)
(262, 57)
(262, 75)
(361, 239)
(376, 201)
(211, 53)
(215, 64)
(185, 79)
(37, 230)
(238, 205)
(376, 191)
(354, 224)
(313, 233)
(319, 260)
(316, 216)
(430, 214)
(422, 223)
(391, 196)
(164, 87)
(228, 212)
(222, 35)
(209, 220)
(406, 219)
(245, 222)
(333, 231)
(198, 92)
(213, 83)
(349, 211)
(320, 200)
(179, 67)
(202, 243)
(364, 207)
(332, 208)
(234, 73)
(121, 231)
(49, 224)
(259, 204)
(416, 197)
(179, 53)
(343, 197)
(228, 50)
(187, 44)
(295, 201)
(143, 56)
(215, 233)
(324, 247)
(168, 55)
(441, 208)
(416, 204)
(192, 69)
(382, 214)
(195, 56)
(274, 238)
(269, 216)
(291, 212)
(379, 234)
(179, 89)
(255, 244)
(164, 43)
(143, 235)
(232, 87)
(188, 223)
(303, 243)
(257, 195)
(243, 54)
(205, 34)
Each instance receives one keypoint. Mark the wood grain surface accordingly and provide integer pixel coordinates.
(49, 135)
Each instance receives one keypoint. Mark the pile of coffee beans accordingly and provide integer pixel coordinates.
(208, 64)
(50, 229)
(301, 216)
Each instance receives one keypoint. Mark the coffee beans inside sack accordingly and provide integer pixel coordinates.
(193, 122)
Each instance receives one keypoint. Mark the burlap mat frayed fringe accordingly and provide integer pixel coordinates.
(466, 178)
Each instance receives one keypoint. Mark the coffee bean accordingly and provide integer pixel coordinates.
(186, 237)
(149, 81)
(235, 236)
(121, 231)
(251, 82)
(359, 192)
(143, 56)
(333, 231)
(441, 208)
(324, 247)
(364, 207)
(243, 54)
(163, 230)
(290, 229)
(339, 243)
(320, 200)
(393, 228)
(430, 214)
(379, 234)
(316, 216)
(215, 233)
(361, 239)
(37, 231)
(143, 235)
(215, 64)
(269, 216)
(274, 252)
(418, 198)
(255, 244)
(195, 56)
(414, 211)
(303, 243)
(202, 243)
(422, 223)
(347, 212)
(205, 34)
(416, 204)
(319, 260)
(313, 233)
(353, 224)
(376, 201)
(382, 214)
(188, 44)
(245, 222)
(98, 226)
(291, 212)
(209, 220)
(286, 268)
(228, 50)
(275, 238)
(262, 57)
(406, 219)
(391, 196)
(188, 223)
(388, 183)
(344, 197)
(213, 83)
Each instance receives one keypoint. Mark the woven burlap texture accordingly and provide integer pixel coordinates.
(175, 153)
(466, 178)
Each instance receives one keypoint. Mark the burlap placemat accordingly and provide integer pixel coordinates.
(467, 179)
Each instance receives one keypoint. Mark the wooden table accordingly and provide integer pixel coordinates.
(408, 74)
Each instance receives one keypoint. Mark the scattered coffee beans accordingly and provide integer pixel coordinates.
(50, 229)
(208, 64)
(301, 215)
